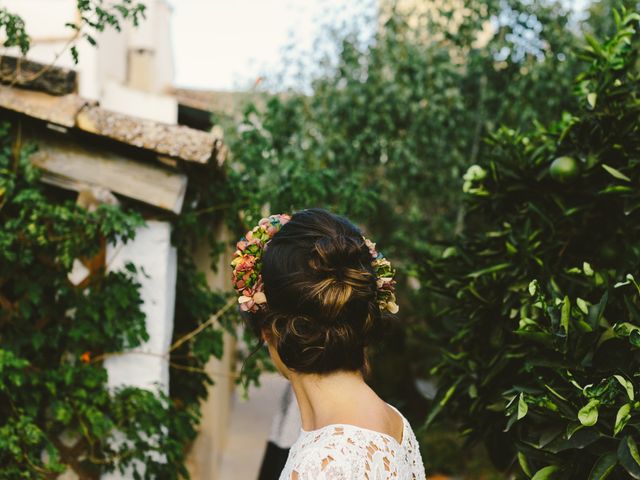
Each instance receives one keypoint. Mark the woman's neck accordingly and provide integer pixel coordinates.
(326, 399)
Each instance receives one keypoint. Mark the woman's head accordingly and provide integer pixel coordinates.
(321, 294)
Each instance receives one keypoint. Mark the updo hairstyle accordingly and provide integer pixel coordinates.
(321, 291)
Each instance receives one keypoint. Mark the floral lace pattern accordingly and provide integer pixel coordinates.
(347, 452)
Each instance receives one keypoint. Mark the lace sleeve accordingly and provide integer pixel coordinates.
(319, 464)
(414, 458)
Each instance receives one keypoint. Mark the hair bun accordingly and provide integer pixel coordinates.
(341, 264)
(323, 282)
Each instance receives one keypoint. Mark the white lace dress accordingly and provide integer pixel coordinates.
(347, 452)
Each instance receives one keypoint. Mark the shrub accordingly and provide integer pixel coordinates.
(538, 319)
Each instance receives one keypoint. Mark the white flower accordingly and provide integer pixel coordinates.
(474, 173)
(392, 307)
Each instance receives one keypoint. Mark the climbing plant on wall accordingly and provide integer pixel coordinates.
(56, 411)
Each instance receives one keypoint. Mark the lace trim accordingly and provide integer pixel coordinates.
(346, 452)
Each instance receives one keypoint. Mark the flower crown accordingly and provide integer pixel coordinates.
(247, 264)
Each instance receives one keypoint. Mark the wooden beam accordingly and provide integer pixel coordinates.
(37, 76)
(68, 165)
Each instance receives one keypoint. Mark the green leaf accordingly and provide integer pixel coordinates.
(596, 312)
(588, 415)
(524, 464)
(627, 385)
(595, 45)
(442, 402)
(523, 408)
(582, 305)
(492, 269)
(545, 473)
(555, 392)
(533, 287)
(624, 329)
(603, 466)
(565, 314)
(629, 457)
(616, 173)
(580, 439)
(586, 267)
(622, 417)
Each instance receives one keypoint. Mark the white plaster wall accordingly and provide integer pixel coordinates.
(165, 66)
(153, 37)
(109, 61)
(150, 251)
(45, 20)
(147, 366)
(44, 26)
(119, 98)
(143, 37)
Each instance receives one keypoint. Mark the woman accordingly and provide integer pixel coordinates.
(315, 291)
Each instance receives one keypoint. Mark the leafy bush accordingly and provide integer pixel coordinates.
(539, 301)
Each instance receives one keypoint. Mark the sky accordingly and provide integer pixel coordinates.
(228, 44)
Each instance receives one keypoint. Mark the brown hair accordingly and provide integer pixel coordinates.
(321, 294)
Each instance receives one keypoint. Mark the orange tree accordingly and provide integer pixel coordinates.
(538, 303)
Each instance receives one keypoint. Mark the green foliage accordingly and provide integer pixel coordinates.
(388, 129)
(14, 31)
(197, 229)
(53, 398)
(55, 409)
(538, 319)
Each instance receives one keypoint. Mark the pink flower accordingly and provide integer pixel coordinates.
(371, 246)
(260, 298)
(247, 264)
(246, 303)
(264, 222)
(246, 280)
